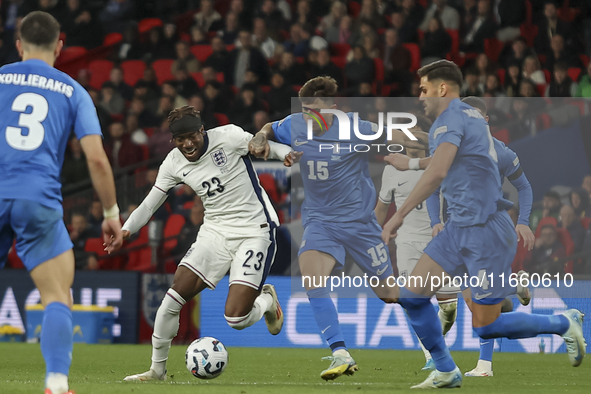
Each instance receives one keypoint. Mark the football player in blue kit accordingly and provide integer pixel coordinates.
(479, 238)
(39, 108)
(337, 213)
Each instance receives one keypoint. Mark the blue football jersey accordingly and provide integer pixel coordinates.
(39, 107)
(336, 180)
(508, 160)
(472, 187)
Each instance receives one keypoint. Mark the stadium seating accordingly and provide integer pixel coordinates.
(415, 56)
(112, 39)
(163, 71)
(585, 222)
(133, 71)
(502, 135)
(339, 61)
(201, 52)
(354, 8)
(573, 73)
(493, 48)
(145, 25)
(501, 74)
(339, 49)
(544, 221)
(222, 119)
(173, 227)
(99, 72)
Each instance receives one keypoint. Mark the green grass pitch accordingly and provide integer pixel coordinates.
(99, 369)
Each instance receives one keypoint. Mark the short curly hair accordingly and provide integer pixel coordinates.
(324, 88)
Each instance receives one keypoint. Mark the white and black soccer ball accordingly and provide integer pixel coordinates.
(206, 358)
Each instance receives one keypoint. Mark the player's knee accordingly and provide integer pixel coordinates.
(238, 323)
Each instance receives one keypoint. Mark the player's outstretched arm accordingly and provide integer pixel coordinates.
(434, 174)
(404, 163)
(101, 175)
(144, 212)
(259, 145)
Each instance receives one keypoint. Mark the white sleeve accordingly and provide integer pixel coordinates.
(144, 212)
(166, 179)
(238, 139)
(387, 189)
(278, 151)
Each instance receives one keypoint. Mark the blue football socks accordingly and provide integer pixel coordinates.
(56, 338)
(326, 317)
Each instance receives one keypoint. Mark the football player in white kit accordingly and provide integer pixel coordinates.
(238, 231)
(416, 232)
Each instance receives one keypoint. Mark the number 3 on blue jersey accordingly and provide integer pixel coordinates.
(32, 121)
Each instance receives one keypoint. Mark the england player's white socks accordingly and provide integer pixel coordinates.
(261, 305)
(57, 383)
(448, 310)
(166, 327)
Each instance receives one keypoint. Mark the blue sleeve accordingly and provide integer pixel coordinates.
(86, 122)
(526, 197)
(282, 130)
(451, 130)
(508, 161)
(433, 207)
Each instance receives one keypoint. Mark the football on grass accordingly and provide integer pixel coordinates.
(206, 358)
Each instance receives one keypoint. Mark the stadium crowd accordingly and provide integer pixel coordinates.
(241, 61)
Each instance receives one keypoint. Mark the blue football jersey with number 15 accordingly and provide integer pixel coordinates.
(39, 107)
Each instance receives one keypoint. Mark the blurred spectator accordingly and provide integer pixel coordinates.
(326, 67)
(448, 16)
(550, 207)
(156, 48)
(214, 99)
(243, 59)
(207, 117)
(468, 13)
(138, 135)
(198, 36)
(242, 14)
(52, 7)
(436, 42)
(584, 88)
(261, 39)
(116, 78)
(512, 80)
(518, 52)
(527, 88)
(579, 199)
(209, 75)
(260, 119)
(369, 12)
(484, 68)
(245, 105)
(206, 16)
(482, 27)
(559, 53)
(190, 229)
(184, 58)
(186, 196)
(511, 14)
(316, 42)
(570, 221)
(103, 115)
(121, 150)
(130, 48)
(549, 26)
(170, 35)
(303, 14)
(524, 123)
(472, 86)
(533, 71)
(310, 64)
(165, 105)
(340, 34)
(184, 84)
(80, 26)
(493, 86)
(169, 89)
(273, 18)
(413, 12)
(145, 117)
(365, 90)
(8, 53)
(586, 184)
(370, 46)
(298, 43)
(292, 72)
(160, 143)
(83, 78)
(111, 100)
(337, 11)
(95, 219)
(562, 85)
(219, 58)
(74, 169)
(397, 61)
(116, 15)
(407, 32)
(229, 33)
(360, 69)
(279, 97)
(79, 235)
(547, 252)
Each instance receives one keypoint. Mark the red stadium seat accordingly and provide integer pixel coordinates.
(265, 88)
(230, 47)
(542, 58)
(63, 37)
(455, 41)
(567, 241)
(148, 24)
(72, 60)
(112, 39)
(584, 60)
(541, 89)
(339, 49)
(201, 52)
(162, 68)
(296, 88)
(528, 13)
(339, 61)
(379, 69)
(149, 131)
(173, 227)
(573, 73)
(415, 56)
(544, 121)
(585, 222)
(493, 48)
(133, 71)
(567, 14)
(529, 32)
(222, 119)
(501, 74)
(13, 260)
(71, 53)
(99, 72)
(544, 221)
(354, 8)
(547, 75)
(140, 259)
(502, 135)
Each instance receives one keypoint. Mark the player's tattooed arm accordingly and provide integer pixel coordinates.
(259, 145)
